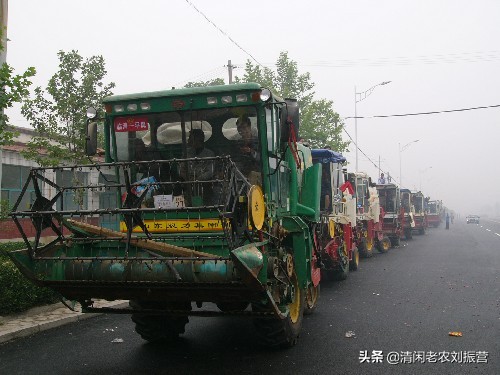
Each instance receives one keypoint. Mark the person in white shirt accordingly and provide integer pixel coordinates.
(381, 180)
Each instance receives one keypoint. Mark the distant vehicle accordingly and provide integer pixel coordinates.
(472, 219)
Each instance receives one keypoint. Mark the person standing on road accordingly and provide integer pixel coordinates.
(447, 221)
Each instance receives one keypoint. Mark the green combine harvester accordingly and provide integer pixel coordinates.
(203, 195)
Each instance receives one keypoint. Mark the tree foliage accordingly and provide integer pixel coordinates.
(13, 88)
(212, 82)
(320, 125)
(58, 113)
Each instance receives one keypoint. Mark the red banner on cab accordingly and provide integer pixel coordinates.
(131, 124)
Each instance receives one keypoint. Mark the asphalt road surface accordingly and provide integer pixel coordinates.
(400, 306)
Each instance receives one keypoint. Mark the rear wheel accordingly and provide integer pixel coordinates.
(354, 263)
(283, 332)
(395, 241)
(158, 328)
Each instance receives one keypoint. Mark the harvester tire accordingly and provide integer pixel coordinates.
(312, 297)
(354, 263)
(365, 248)
(157, 328)
(282, 332)
(395, 241)
(384, 245)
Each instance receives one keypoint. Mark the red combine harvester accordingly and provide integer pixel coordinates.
(338, 217)
(408, 213)
(419, 216)
(390, 201)
(434, 213)
(368, 232)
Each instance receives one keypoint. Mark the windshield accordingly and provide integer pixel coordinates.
(405, 201)
(388, 200)
(418, 202)
(191, 134)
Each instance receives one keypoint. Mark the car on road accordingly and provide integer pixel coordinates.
(472, 219)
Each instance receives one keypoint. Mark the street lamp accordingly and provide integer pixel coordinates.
(359, 96)
(421, 172)
(401, 149)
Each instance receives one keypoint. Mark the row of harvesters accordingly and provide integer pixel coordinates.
(205, 198)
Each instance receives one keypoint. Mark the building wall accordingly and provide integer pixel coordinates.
(18, 168)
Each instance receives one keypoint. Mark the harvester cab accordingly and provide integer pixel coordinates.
(390, 201)
(408, 213)
(338, 216)
(420, 215)
(204, 196)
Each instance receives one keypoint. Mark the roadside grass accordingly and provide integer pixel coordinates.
(17, 293)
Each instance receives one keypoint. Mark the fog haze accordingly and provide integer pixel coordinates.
(439, 56)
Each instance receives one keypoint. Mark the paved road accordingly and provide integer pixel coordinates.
(404, 301)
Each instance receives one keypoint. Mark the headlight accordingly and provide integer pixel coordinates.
(91, 113)
(265, 95)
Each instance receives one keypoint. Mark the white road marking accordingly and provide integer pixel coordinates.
(489, 230)
(494, 221)
(497, 234)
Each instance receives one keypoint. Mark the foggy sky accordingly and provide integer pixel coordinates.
(439, 56)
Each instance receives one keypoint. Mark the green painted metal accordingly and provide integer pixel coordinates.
(185, 92)
(310, 195)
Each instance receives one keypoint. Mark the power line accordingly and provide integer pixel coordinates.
(468, 57)
(427, 113)
(367, 157)
(223, 32)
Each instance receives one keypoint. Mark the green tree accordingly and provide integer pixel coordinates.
(320, 125)
(212, 82)
(58, 114)
(13, 88)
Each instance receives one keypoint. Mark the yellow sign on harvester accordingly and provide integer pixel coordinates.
(177, 225)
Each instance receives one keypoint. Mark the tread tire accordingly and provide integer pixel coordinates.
(157, 328)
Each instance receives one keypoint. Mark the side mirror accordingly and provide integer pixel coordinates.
(91, 138)
(289, 116)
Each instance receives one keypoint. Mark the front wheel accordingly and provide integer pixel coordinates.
(312, 297)
(354, 263)
(342, 269)
(282, 332)
(384, 245)
(365, 248)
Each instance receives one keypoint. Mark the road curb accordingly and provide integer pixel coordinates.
(66, 316)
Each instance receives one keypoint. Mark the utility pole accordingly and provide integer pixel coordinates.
(4, 5)
(230, 68)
